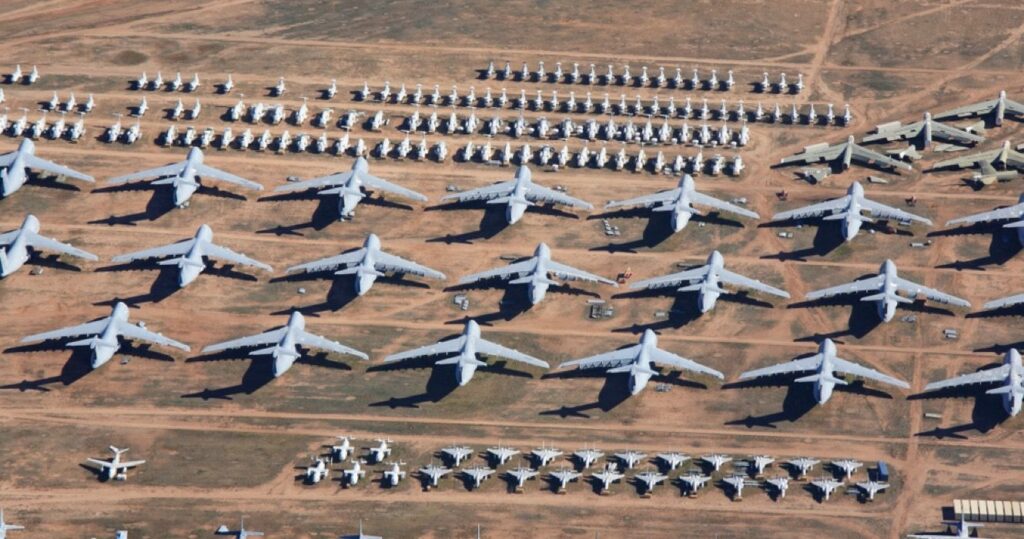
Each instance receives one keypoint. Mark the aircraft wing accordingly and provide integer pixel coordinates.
(568, 273)
(1009, 212)
(223, 253)
(954, 135)
(206, 171)
(888, 212)
(88, 328)
(8, 237)
(849, 367)
(987, 376)
(672, 279)
(646, 200)
(437, 349)
(965, 111)
(130, 464)
(330, 262)
(896, 133)
(32, 161)
(267, 337)
(538, 193)
(814, 210)
(173, 249)
(814, 155)
(863, 285)
(159, 172)
(739, 280)
(798, 365)
(100, 463)
(865, 155)
(314, 183)
(615, 358)
(503, 272)
(308, 339)
(380, 184)
(914, 289)
(389, 262)
(668, 358)
(482, 193)
(968, 161)
(484, 346)
(1005, 302)
(701, 198)
(133, 331)
(42, 242)
(7, 158)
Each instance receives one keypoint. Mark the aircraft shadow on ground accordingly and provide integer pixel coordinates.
(78, 364)
(492, 222)
(798, 402)
(159, 204)
(441, 383)
(166, 282)
(325, 213)
(259, 374)
(342, 291)
(657, 230)
(683, 310)
(614, 391)
(1002, 247)
(988, 411)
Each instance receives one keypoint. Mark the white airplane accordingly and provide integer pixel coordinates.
(680, 202)
(351, 187)
(588, 456)
(115, 468)
(190, 255)
(843, 154)
(885, 287)
(227, 86)
(341, 450)
(870, 488)
(366, 264)
(802, 465)
(923, 132)
(1013, 213)
(630, 458)
(433, 473)
(15, 166)
(780, 484)
(706, 280)
(394, 474)
(564, 476)
(157, 81)
(990, 162)
(285, 344)
(104, 333)
(360, 535)
(193, 84)
(240, 533)
(673, 460)
(17, 246)
(827, 486)
(33, 76)
(464, 350)
(694, 481)
(456, 453)
(16, 75)
(736, 483)
(848, 209)
(607, 477)
(760, 462)
(544, 455)
(1009, 376)
(824, 365)
(351, 476)
(5, 527)
(478, 474)
(649, 479)
(716, 461)
(380, 451)
(847, 466)
(176, 84)
(995, 109)
(522, 474)
(316, 471)
(517, 195)
(638, 361)
(184, 177)
(534, 273)
(502, 453)
(961, 530)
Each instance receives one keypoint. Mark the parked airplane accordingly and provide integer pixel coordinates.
(17, 246)
(993, 110)
(824, 365)
(885, 288)
(360, 535)
(923, 133)
(351, 476)
(15, 166)
(870, 488)
(638, 361)
(1009, 376)
(190, 255)
(366, 264)
(104, 333)
(478, 474)
(534, 273)
(1012, 213)
(351, 187)
(184, 177)
(716, 460)
(961, 529)
(848, 209)
(115, 468)
(5, 527)
(432, 473)
(464, 350)
(680, 202)
(607, 477)
(1000, 159)
(240, 533)
(285, 344)
(706, 280)
(521, 475)
(649, 479)
(517, 195)
(456, 453)
(394, 474)
(694, 481)
(843, 155)
(827, 486)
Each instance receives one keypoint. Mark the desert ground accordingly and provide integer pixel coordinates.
(223, 439)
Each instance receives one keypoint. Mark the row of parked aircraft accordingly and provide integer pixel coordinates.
(625, 78)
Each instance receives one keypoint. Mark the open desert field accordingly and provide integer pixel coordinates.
(224, 439)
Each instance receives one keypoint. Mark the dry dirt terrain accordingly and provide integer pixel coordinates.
(223, 439)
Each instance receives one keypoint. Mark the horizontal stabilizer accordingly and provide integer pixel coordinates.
(887, 297)
(1004, 390)
(181, 262)
(820, 377)
(343, 191)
